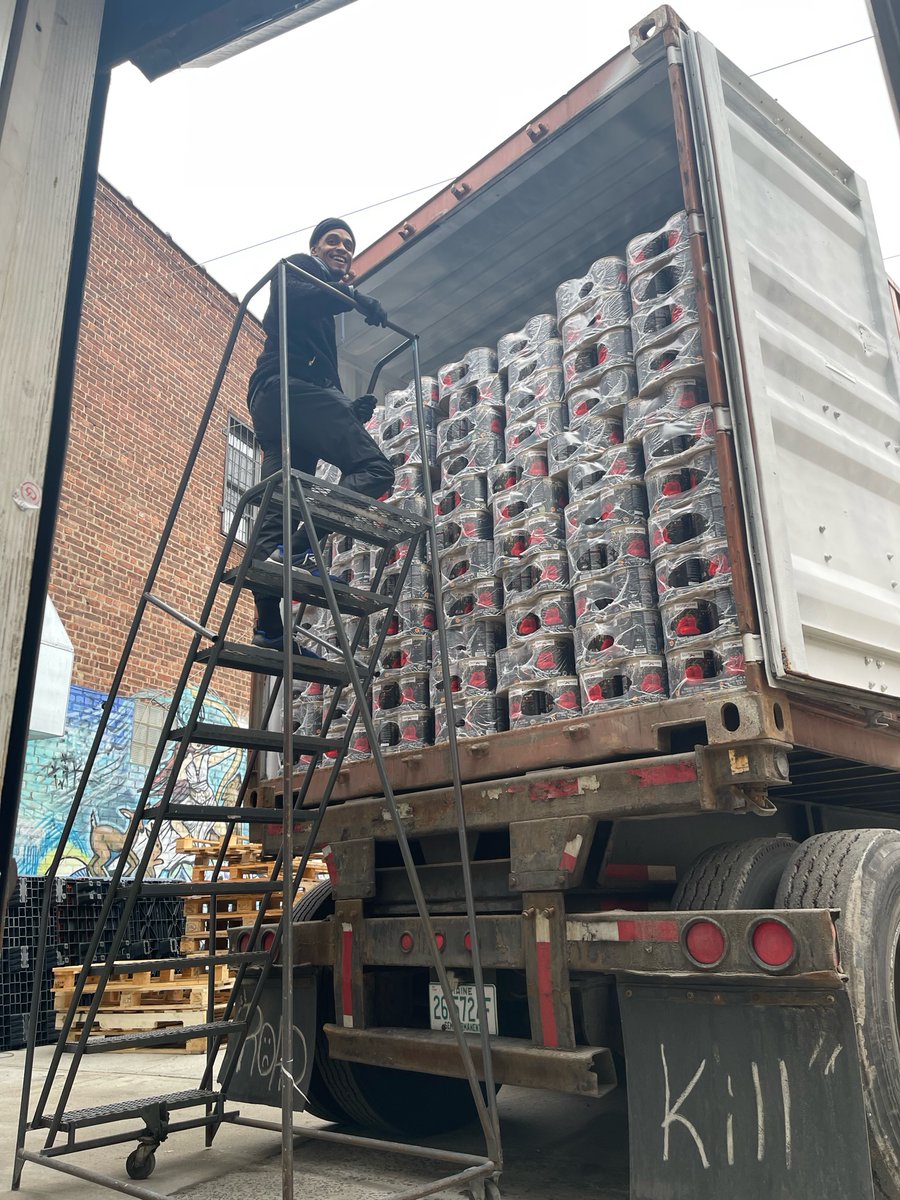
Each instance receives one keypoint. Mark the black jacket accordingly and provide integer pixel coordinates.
(312, 349)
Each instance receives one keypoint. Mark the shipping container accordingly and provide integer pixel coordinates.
(767, 781)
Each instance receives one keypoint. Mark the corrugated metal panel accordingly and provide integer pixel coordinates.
(811, 350)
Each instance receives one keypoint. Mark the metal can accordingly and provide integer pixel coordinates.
(547, 571)
(649, 250)
(609, 310)
(534, 431)
(586, 478)
(542, 356)
(677, 574)
(473, 716)
(478, 638)
(408, 652)
(532, 498)
(696, 431)
(465, 563)
(631, 634)
(605, 275)
(611, 393)
(406, 690)
(671, 482)
(694, 518)
(521, 342)
(669, 406)
(407, 450)
(468, 493)
(417, 585)
(474, 598)
(400, 397)
(410, 731)
(661, 279)
(468, 677)
(544, 700)
(681, 358)
(404, 423)
(718, 665)
(537, 533)
(477, 460)
(475, 364)
(465, 527)
(507, 476)
(538, 390)
(625, 586)
(539, 616)
(410, 616)
(593, 549)
(488, 392)
(660, 320)
(585, 368)
(544, 658)
(623, 682)
(700, 616)
(460, 433)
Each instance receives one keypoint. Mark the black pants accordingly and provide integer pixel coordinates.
(323, 426)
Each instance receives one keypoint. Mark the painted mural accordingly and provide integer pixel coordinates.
(208, 775)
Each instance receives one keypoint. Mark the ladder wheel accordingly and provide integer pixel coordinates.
(141, 1163)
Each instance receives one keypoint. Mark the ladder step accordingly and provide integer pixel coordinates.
(266, 579)
(239, 657)
(155, 1037)
(120, 1110)
(221, 887)
(338, 510)
(216, 812)
(254, 739)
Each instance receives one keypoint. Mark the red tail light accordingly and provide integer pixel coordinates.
(773, 944)
(268, 940)
(406, 942)
(243, 942)
(704, 942)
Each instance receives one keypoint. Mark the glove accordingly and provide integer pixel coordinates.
(364, 407)
(371, 310)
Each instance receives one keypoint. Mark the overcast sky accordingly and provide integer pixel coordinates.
(385, 97)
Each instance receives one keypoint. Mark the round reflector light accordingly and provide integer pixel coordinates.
(243, 942)
(440, 941)
(705, 943)
(773, 943)
(467, 942)
(406, 942)
(268, 940)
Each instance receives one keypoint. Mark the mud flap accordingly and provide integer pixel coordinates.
(257, 1078)
(743, 1091)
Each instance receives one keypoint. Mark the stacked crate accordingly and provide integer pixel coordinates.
(17, 966)
(470, 445)
(672, 417)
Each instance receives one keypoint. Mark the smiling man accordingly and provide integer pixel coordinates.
(325, 424)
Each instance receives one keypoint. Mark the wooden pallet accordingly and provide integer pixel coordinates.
(181, 988)
(112, 1024)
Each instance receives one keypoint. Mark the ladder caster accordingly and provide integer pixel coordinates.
(141, 1162)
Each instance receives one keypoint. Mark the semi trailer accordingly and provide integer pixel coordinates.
(694, 883)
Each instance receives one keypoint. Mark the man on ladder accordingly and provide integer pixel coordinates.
(325, 424)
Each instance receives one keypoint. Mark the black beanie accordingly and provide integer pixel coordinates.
(329, 223)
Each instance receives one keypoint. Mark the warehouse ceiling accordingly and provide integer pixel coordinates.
(159, 36)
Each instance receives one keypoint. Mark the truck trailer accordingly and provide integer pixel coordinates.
(696, 884)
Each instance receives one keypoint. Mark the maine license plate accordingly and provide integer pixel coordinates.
(466, 1006)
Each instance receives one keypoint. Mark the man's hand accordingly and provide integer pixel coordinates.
(364, 407)
(371, 310)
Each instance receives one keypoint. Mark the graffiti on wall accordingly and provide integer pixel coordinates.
(53, 768)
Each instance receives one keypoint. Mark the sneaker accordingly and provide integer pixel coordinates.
(305, 561)
(265, 641)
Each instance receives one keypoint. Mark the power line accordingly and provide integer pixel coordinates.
(817, 54)
(306, 228)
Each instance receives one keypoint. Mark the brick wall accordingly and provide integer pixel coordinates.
(153, 331)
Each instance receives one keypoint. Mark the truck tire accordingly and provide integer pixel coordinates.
(735, 875)
(858, 872)
(408, 1103)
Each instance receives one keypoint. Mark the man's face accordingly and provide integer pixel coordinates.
(335, 248)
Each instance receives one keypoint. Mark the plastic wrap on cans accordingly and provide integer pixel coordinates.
(407, 482)
(673, 480)
(589, 441)
(403, 424)
(534, 431)
(650, 250)
(475, 364)
(623, 586)
(408, 652)
(544, 658)
(468, 493)
(359, 744)
(681, 358)
(532, 464)
(623, 682)
(401, 397)
(465, 527)
(605, 275)
(661, 320)
(406, 690)
(598, 548)
(486, 393)
(410, 616)
(614, 390)
(468, 677)
(542, 357)
(474, 599)
(611, 310)
(544, 572)
(476, 638)
(474, 717)
(532, 497)
(458, 434)
(679, 441)
(634, 634)
(521, 342)
(661, 279)
(613, 504)
(407, 450)
(395, 556)
(417, 585)
(703, 668)
(539, 616)
(585, 368)
(409, 730)
(687, 619)
(544, 700)
(680, 574)
(670, 406)
(618, 463)
(542, 388)
(469, 562)
(357, 570)
(477, 460)
(692, 519)
(539, 532)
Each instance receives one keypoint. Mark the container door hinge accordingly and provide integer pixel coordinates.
(674, 56)
(723, 419)
(753, 648)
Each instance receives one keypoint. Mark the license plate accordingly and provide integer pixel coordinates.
(466, 1006)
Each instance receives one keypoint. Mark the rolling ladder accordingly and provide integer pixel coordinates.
(324, 509)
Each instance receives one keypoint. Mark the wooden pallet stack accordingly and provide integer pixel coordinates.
(133, 1001)
(242, 864)
(176, 998)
